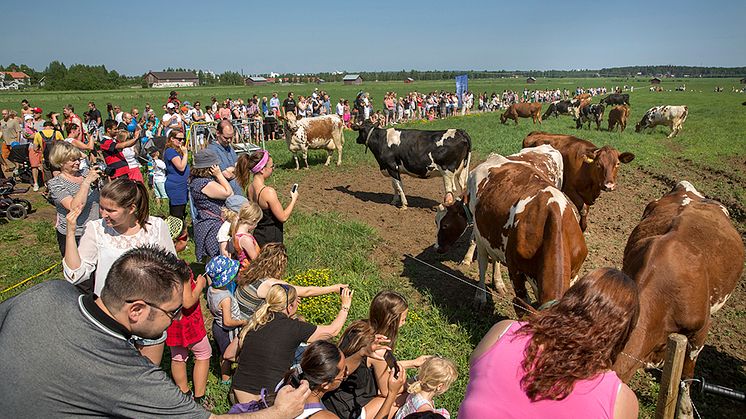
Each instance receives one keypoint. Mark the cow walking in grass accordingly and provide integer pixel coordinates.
(419, 153)
(316, 133)
(522, 110)
(670, 116)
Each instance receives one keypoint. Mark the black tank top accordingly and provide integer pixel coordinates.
(269, 228)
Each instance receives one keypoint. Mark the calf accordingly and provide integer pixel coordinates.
(670, 116)
(316, 133)
(590, 113)
(562, 107)
(588, 170)
(618, 117)
(419, 153)
(686, 258)
(522, 220)
(616, 99)
(522, 110)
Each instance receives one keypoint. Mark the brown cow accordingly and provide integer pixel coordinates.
(618, 117)
(522, 220)
(522, 110)
(588, 170)
(686, 258)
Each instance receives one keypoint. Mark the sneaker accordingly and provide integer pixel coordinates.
(36, 188)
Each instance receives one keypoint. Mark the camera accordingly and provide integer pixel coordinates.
(105, 170)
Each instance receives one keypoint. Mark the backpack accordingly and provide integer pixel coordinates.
(47, 143)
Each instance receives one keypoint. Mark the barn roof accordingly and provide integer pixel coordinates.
(351, 77)
(173, 75)
(256, 78)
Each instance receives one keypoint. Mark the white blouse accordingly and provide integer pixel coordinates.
(101, 245)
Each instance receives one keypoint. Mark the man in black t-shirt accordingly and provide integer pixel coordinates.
(288, 105)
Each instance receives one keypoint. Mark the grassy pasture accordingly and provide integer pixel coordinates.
(712, 139)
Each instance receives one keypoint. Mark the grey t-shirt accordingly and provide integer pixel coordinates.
(63, 357)
(59, 189)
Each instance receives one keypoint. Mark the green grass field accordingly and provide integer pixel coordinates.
(713, 137)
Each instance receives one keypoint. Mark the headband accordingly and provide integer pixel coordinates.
(263, 162)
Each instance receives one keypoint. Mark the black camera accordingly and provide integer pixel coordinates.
(105, 170)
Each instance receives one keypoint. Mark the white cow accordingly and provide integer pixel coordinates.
(316, 133)
(670, 116)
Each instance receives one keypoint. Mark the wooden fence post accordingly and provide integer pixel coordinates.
(669, 390)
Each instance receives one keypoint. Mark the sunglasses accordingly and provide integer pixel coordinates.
(178, 138)
(171, 314)
(287, 294)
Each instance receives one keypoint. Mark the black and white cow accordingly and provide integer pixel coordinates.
(562, 107)
(615, 99)
(418, 153)
(590, 113)
(670, 116)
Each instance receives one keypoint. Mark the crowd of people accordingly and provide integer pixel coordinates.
(127, 294)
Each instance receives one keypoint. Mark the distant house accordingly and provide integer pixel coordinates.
(531, 80)
(255, 81)
(409, 80)
(655, 80)
(15, 79)
(352, 79)
(172, 79)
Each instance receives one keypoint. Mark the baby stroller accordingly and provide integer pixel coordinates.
(13, 208)
(19, 156)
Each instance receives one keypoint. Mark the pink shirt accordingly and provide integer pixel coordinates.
(494, 389)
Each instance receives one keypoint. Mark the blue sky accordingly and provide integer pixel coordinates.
(289, 36)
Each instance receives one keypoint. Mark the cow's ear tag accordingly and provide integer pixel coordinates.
(588, 160)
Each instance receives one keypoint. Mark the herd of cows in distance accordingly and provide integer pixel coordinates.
(529, 212)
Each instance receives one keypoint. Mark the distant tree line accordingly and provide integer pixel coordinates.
(57, 76)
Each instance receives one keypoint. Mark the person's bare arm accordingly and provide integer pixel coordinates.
(288, 404)
(220, 188)
(228, 320)
(333, 329)
(124, 144)
(180, 162)
(394, 384)
(191, 296)
(626, 405)
(282, 214)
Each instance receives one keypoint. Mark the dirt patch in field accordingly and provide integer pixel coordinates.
(407, 236)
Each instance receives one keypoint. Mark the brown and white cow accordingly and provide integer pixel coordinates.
(670, 116)
(316, 133)
(618, 117)
(686, 258)
(588, 170)
(522, 220)
(522, 110)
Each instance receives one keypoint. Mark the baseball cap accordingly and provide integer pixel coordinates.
(235, 202)
(37, 110)
(27, 117)
(170, 105)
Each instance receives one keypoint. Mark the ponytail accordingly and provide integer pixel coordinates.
(126, 193)
(279, 298)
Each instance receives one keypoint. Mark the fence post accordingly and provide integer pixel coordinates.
(669, 390)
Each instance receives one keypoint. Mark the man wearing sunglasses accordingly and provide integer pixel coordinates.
(72, 355)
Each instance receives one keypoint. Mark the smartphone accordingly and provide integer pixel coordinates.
(294, 380)
(295, 188)
(391, 362)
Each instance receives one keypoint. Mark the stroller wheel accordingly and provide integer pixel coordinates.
(25, 203)
(15, 211)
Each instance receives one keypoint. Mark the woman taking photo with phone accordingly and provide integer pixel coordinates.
(177, 174)
(269, 341)
(261, 165)
(71, 189)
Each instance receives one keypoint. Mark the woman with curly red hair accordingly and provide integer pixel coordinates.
(558, 363)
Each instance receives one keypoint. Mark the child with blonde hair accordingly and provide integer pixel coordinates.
(242, 228)
(433, 379)
(228, 214)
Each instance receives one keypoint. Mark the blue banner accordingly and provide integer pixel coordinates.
(462, 86)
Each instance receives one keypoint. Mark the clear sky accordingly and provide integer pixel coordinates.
(332, 35)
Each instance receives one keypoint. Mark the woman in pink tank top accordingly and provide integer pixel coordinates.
(558, 364)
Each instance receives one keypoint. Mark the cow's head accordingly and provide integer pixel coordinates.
(642, 124)
(363, 130)
(604, 164)
(451, 221)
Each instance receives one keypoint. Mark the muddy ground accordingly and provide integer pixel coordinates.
(362, 194)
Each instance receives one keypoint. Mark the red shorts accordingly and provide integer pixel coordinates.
(34, 158)
(135, 174)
